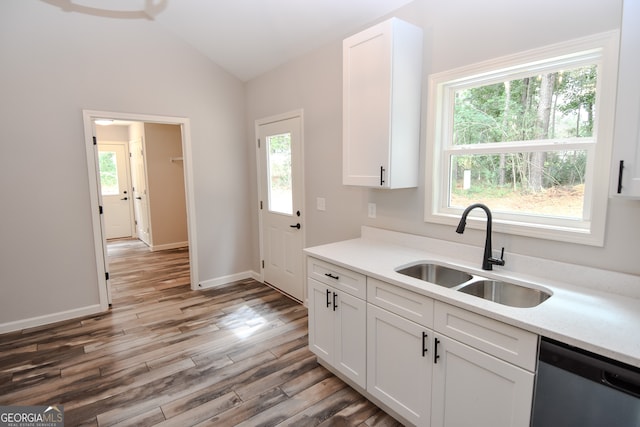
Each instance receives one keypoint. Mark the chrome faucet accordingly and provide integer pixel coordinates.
(488, 260)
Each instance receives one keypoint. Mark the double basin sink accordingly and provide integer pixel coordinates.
(505, 293)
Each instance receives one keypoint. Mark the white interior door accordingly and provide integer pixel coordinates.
(281, 186)
(115, 188)
(139, 184)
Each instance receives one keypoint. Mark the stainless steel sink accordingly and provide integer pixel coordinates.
(435, 273)
(506, 293)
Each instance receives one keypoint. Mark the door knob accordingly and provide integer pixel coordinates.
(125, 198)
(138, 198)
(295, 226)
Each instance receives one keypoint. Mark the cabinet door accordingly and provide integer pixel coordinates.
(399, 364)
(367, 87)
(471, 388)
(351, 338)
(381, 105)
(321, 320)
(627, 126)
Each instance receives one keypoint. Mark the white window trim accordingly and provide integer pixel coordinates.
(591, 230)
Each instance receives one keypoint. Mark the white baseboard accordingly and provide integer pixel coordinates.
(47, 319)
(166, 246)
(212, 283)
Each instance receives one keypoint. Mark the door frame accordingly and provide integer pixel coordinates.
(99, 239)
(299, 113)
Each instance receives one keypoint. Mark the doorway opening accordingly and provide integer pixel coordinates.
(127, 160)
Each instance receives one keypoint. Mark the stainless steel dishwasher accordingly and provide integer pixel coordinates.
(578, 388)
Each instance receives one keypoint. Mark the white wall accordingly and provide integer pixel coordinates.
(167, 200)
(313, 83)
(456, 33)
(54, 65)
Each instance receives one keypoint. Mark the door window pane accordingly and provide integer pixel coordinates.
(279, 164)
(108, 173)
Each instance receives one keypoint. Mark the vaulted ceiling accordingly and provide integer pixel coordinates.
(246, 37)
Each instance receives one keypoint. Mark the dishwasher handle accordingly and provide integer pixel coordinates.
(629, 384)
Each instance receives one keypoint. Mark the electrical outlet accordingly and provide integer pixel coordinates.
(320, 204)
(372, 210)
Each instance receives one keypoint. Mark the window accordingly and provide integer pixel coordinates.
(279, 164)
(108, 173)
(530, 136)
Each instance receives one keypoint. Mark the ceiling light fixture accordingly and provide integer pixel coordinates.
(142, 9)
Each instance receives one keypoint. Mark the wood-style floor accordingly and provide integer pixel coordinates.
(166, 355)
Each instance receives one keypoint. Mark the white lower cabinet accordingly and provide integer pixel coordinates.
(337, 330)
(399, 367)
(472, 388)
(428, 362)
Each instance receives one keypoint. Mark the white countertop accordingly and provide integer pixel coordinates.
(596, 310)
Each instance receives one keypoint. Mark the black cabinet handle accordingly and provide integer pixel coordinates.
(381, 175)
(295, 226)
(424, 343)
(620, 168)
(436, 356)
(334, 301)
(138, 198)
(328, 298)
(331, 276)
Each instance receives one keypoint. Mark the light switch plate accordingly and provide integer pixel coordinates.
(320, 204)
(372, 210)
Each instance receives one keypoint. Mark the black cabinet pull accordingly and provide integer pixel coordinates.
(381, 175)
(436, 356)
(332, 276)
(424, 343)
(620, 168)
(334, 301)
(328, 298)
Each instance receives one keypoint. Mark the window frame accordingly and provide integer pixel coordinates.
(600, 49)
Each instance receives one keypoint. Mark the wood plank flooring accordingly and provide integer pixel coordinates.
(235, 355)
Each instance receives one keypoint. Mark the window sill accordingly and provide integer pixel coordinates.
(578, 235)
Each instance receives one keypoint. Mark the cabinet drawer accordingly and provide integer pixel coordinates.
(499, 339)
(400, 301)
(340, 278)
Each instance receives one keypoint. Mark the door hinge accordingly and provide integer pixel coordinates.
(100, 210)
(258, 142)
(260, 204)
(262, 263)
(95, 141)
(106, 275)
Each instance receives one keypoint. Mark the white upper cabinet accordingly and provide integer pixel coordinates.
(626, 176)
(382, 69)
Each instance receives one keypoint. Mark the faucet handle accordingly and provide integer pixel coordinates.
(496, 261)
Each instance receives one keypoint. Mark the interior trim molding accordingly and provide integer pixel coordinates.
(47, 319)
(166, 246)
(223, 280)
